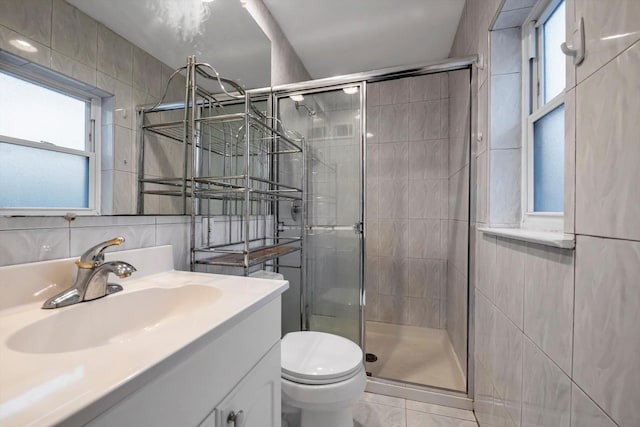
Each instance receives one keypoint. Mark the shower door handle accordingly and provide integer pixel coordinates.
(358, 227)
(236, 419)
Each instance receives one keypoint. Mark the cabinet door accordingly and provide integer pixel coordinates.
(255, 401)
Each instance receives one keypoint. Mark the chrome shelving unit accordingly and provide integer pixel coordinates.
(227, 174)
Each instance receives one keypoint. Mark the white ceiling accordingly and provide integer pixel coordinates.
(334, 37)
(331, 37)
(229, 39)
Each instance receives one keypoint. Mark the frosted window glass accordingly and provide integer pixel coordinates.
(548, 162)
(36, 178)
(61, 119)
(554, 59)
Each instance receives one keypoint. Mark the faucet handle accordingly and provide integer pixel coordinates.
(94, 256)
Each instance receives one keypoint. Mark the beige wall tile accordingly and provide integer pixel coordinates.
(610, 28)
(30, 18)
(546, 395)
(607, 149)
(115, 55)
(74, 34)
(607, 312)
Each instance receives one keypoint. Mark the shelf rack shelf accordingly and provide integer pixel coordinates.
(225, 256)
(224, 165)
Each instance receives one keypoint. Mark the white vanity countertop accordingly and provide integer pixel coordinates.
(39, 387)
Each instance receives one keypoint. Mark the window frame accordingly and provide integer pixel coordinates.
(533, 109)
(92, 141)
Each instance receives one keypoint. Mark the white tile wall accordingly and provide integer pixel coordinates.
(42, 238)
(607, 312)
(67, 23)
(509, 288)
(582, 370)
(407, 200)
(610, 27)
(504, 196)
(75, 45)
(546, 390)
(585, 413)
(505, 111)
(507, 363)
(42, 56)
(548, 297)
(31, 18)
(505, 51)
(607, 197)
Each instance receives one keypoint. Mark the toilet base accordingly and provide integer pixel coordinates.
(340, 418)
(308, 418)
(327, 405)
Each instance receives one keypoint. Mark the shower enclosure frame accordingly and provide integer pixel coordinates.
(358, 226)
(391, 387)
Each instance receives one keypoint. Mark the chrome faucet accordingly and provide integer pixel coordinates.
(91, 280)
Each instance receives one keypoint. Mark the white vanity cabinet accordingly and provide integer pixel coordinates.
(255, 402)
(237, 371)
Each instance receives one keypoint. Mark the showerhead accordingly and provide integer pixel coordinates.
(310, 111)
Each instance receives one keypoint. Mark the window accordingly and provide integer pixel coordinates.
(48, 161)
(543, 179)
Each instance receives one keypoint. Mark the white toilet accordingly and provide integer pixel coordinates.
(322, 377)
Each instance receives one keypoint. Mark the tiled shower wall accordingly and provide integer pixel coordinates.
(556, 340)
(407, 200)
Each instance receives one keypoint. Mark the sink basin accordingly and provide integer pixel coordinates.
(111, 320)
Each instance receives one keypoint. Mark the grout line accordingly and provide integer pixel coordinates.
(573, 314)
(506, 411)
(523, 333)
(585, 78)
(595, 236)
(522, 379)
(571, 402)
(51, 33)
(69, 238)
(595, 403)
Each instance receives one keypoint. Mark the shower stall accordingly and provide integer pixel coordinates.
(387, 162)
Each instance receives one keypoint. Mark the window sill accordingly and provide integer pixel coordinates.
(548, 238)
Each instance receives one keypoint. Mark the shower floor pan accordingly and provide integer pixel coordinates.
(413, 354)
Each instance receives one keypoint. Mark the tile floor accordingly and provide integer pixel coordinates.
(413, 354)
(374, 410)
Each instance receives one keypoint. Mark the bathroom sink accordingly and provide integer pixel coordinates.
(66, 366)
(111, 320)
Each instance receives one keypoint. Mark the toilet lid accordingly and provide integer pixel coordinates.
(319, 358)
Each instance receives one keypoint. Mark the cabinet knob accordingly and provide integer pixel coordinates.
(236, 418)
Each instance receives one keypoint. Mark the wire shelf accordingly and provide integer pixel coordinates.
(230, 166)
(257, 255)
(225, 135)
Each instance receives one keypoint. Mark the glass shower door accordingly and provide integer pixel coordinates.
(330, 120)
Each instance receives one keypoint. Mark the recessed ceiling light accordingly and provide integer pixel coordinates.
(350, 90)
(297, 98)
(207, 1)
(23, 45)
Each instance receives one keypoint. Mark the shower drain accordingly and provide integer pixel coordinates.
(370, 357)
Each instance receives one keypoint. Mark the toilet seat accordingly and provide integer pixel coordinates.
(316, 358)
